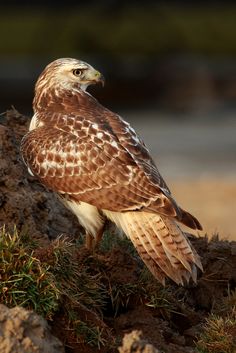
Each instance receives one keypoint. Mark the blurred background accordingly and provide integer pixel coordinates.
(170, 70)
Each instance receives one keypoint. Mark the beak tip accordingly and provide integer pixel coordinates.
(102, 80)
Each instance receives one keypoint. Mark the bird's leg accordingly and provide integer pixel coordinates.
(89, 241)
(98, 237)
(92, 242)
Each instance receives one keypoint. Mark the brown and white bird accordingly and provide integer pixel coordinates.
(101, 169)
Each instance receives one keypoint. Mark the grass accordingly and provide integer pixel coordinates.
(111, 239)
(219, 332)
(64, 279)
(158, 297)
(143, 288)
(82, 293)
(87, 332)
(52, 279)
(152, 294)
(219, 335)
(121, 294)
(77, 284)
(25, 281)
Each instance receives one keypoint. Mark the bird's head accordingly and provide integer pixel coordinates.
(69, 74)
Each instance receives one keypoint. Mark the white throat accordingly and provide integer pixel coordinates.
(84, 87)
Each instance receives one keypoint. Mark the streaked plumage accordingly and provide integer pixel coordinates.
(101, 168)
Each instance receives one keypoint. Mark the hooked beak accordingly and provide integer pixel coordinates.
(94, 77)
(99, 78)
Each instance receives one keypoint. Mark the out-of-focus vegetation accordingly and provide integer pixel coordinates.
(143, 30)
(183, 52)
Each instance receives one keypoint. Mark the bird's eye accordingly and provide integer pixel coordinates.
(77, 72)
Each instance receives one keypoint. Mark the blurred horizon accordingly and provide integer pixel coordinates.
(170, 69)
(170, 55)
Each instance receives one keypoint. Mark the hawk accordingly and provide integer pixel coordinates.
(101, 168)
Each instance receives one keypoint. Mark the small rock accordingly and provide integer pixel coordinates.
(23, 331)
(133, 343)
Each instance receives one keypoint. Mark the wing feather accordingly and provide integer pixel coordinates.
(100, 161)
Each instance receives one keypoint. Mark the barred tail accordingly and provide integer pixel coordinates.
(161, 244)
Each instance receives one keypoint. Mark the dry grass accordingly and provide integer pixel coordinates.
(219, 335)
(219, 332)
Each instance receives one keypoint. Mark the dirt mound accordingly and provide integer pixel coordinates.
(22, 331)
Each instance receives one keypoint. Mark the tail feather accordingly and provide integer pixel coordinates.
(150, 246)
(160, 243)
(171, 238)
(176, 270)
(175, 242)
(189, 220)
(149, 262)
(197, 259)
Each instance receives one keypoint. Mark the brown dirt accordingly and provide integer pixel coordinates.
(176, 331)
(28, 205)
(23, 331)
